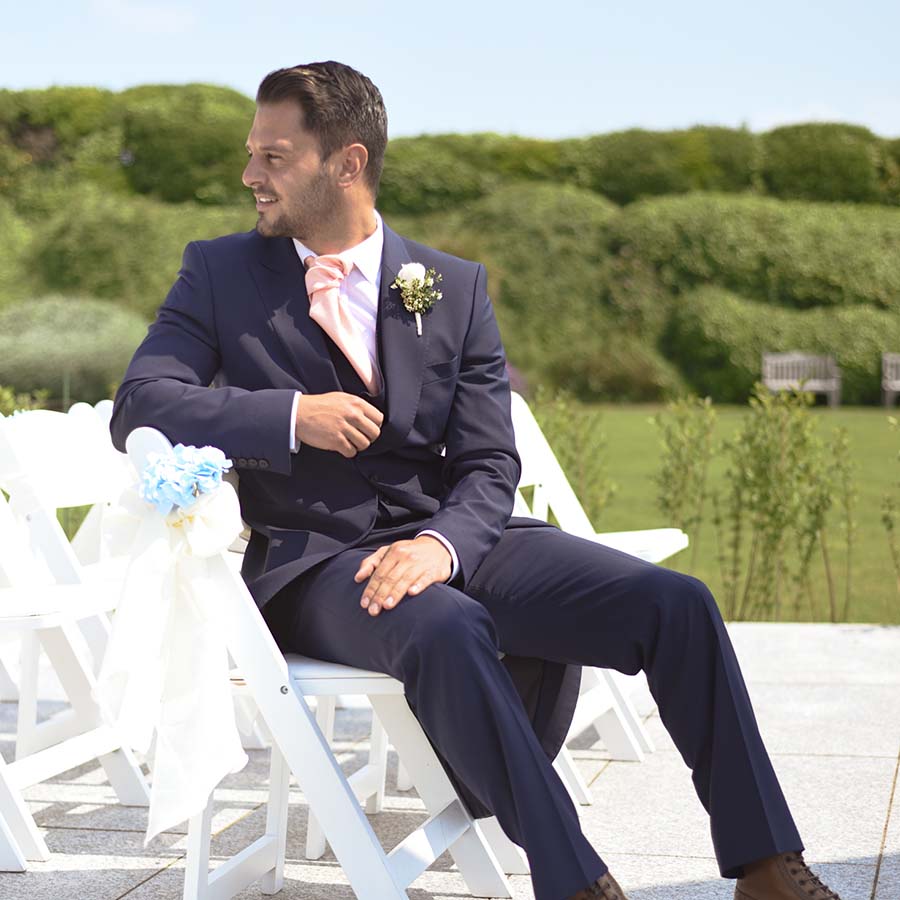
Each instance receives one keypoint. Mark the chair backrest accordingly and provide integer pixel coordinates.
(890, 366)
(542, 473)
(51, 460)
(19, 567)
(797, 366)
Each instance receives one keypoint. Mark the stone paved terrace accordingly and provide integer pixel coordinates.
(828, 702)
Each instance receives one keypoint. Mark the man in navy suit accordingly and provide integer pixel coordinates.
(378, 470)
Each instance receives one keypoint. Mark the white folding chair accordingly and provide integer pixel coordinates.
(279, 686)
(603, 701)
(51, 461)
(33, 604)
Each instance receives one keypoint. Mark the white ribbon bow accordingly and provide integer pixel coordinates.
(166, 666)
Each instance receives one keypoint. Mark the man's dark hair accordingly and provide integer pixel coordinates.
(340, 107)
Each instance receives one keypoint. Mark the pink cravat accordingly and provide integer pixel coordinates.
(324, 275)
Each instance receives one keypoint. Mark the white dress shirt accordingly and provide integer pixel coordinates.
(359, 291)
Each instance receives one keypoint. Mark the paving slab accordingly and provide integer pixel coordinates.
(828, 708)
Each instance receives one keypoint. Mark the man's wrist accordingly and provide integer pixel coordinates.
(454, 559)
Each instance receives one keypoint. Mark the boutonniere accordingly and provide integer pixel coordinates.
(417, 289)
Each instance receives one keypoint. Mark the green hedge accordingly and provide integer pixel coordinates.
(828, 161)
(717, 340)
(15, 238)
(788, 253)
(43, 340)
(628, 165)
(125, 249)
(424, 174)
(545, 248)
(186, 142)
(48, 124)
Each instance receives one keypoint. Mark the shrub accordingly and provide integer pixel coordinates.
(824, 161)
(628, 165)
(789, 253)
(10, 401)
(48, 124)
(424, 174)
(617, 367)
(579, 442)
(43, 342)
(543, 246)
(186, 142)
(15, 237)
(126, 249)
(717, 340)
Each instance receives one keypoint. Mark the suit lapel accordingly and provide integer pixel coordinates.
(279, 277)
(402, 350)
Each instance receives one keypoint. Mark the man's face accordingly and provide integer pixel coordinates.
(295, 190)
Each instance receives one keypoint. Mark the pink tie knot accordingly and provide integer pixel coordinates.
(325, 272)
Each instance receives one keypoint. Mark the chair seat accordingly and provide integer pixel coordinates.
(315, 677)
(49, 607)
(652, 544)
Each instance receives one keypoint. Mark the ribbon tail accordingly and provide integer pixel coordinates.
(197, 742)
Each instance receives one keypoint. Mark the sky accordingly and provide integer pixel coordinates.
(561, 68)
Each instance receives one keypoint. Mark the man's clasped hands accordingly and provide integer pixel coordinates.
(348, 424)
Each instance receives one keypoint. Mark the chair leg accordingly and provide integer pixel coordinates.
(9, 692)
(315, 836)
(614, 681)
(472, 854)
(567, 770)
(11, 858)
(78, 680)
(378, 748)
(25, 836)
(29, 665)
(404, 782)
(510, 855)
(276, 818)
(196, 870)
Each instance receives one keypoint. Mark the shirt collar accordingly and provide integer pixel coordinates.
(366, 255)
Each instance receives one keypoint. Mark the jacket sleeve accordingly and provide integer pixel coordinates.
(482, 467)
(167, 384)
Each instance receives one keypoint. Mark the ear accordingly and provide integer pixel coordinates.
(353, 161)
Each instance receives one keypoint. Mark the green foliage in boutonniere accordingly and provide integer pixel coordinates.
(417, 289)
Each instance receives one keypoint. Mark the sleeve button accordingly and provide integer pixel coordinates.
(264, 464)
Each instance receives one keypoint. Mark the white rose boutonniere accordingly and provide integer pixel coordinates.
(417, 289)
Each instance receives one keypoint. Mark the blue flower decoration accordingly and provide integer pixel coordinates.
(180, 477)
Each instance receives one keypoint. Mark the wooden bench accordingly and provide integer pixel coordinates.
(890, 377)
(795, 370)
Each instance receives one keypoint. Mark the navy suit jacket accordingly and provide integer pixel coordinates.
(237, 318)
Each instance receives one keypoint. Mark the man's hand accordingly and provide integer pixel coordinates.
(337, 421)
(401, 568)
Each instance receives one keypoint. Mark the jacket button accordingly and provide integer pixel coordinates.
(253, 463)
(242, 460)
(264, 464)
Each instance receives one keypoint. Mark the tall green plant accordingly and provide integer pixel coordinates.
(576, 435)
(12, 400)
(784, 483)
(686, 432)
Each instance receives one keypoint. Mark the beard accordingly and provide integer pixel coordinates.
(300, 217)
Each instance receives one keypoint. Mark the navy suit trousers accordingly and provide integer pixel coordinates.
(543, 593)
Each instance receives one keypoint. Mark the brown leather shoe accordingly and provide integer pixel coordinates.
(605, 888)
(783, 877)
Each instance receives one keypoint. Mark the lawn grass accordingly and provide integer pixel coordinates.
(633, 455)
